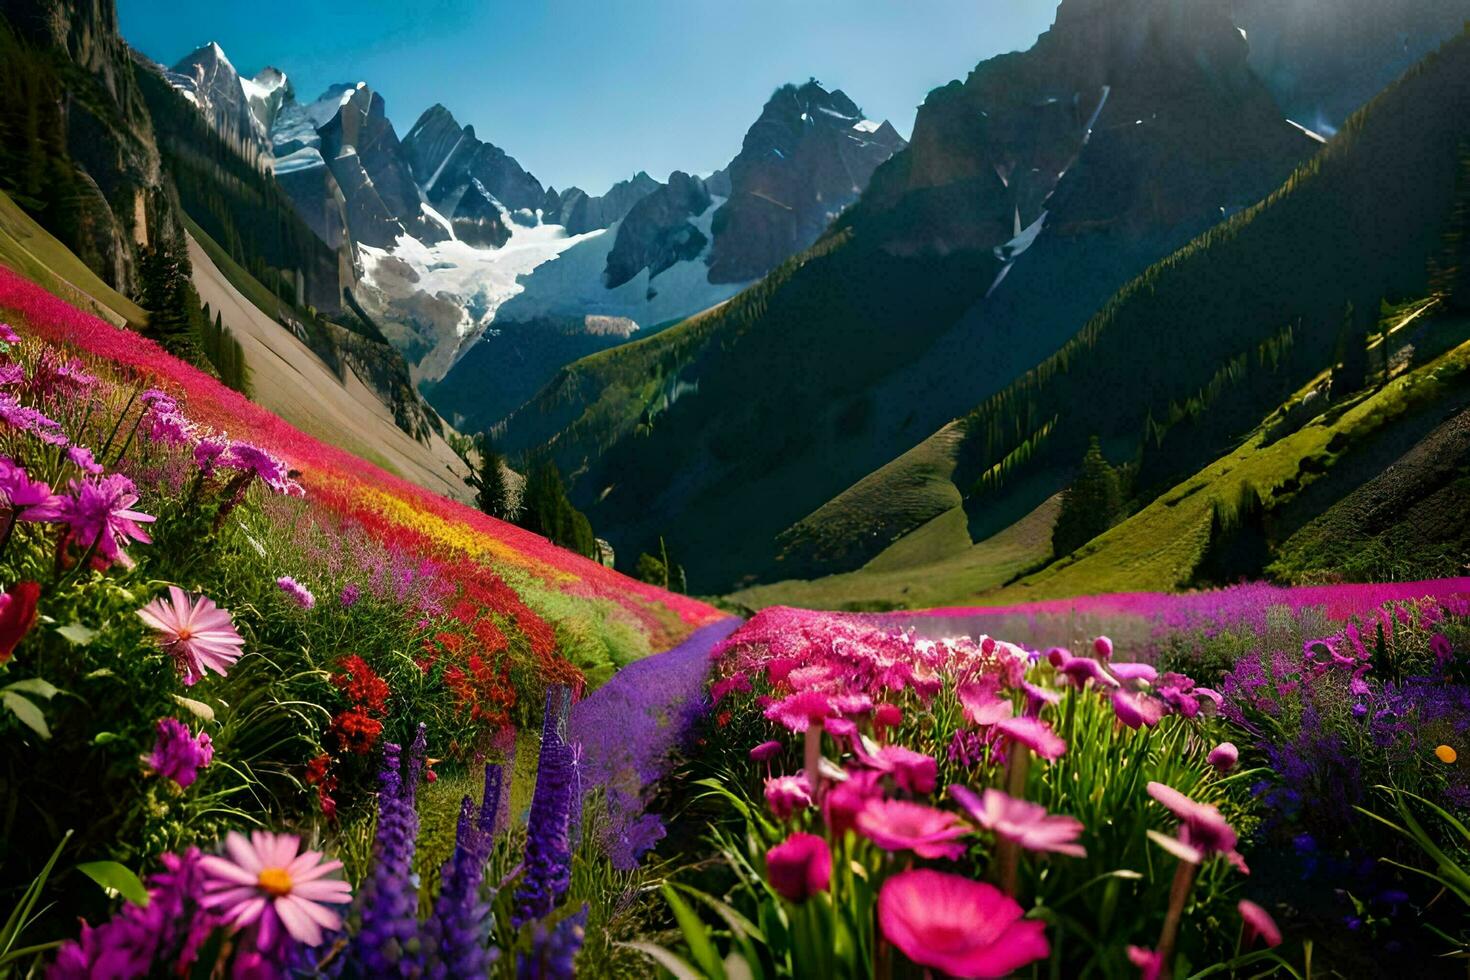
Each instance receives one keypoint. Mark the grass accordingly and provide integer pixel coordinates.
(934, 566)
(1160, 547)
(35, 253)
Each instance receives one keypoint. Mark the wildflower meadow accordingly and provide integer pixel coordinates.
(268, 711)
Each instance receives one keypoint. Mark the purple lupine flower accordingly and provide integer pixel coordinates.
(490, 806)
(554, 951)
(178, 753)
(387, 944)
(28, 419)
(548, 847)
(351, 592)
(297, 592)
(457, 928)
(143, 941)
(81, 457)
(11, 373)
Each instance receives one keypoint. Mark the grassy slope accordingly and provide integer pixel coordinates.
(1160, 547)
(934, 566)
(34, 252)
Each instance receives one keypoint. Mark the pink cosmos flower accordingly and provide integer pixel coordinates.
(1224, 756)
(898, 825)
(912, 771)
(1203, 831)
(842, 803)
(1136, 709)
(1036, 735)
(799, 867)
(964, 928)
(787, 794)
(198, 634)
(269, 883)
(1258, 922)
(1022, 821)
(1150, 965)
(178, 753)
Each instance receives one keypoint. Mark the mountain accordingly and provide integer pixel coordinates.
(1324, 58)
(808, 156)
(679, 248)
(1300, 409)
(207, 79)
(1030, 193)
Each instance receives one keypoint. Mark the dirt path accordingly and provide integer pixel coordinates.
(291, 381)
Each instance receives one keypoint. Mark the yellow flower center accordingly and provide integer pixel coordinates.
(1446, 754)
(274, 880)
(184, 633)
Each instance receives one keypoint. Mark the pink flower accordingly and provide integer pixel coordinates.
(198, 634)
(1150, 966)
(1132, 674)
(1224, 756)
(1036, 735)
(1079, 670)
(840, 727)
(1038, 698)
(982, 704)
(1258, 922)
(898, 825)
(101, 516)
(178, 754)
(787, 794)
(964, 928)
(843, 802)
(765, 751)
(1103, 647)
(799, 867)
(8, 334)
(912, 771)
(81, 458)
(889, 715)
(1203, 831)
(1136, 709)
(797, 711)
(722, 689)
(269, 883)
(297, 592)
(29, 500)
(1022, 821)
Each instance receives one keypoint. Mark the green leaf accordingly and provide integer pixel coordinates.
(77, 634)
(35, 685)
(198, 708)
(103, 738)
(100, 672)
(114, 877)
(696, 935)
(680, 969)
(26, 711)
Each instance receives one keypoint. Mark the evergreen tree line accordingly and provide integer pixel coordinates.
(177, 320)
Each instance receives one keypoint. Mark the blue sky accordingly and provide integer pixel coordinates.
(587, 92)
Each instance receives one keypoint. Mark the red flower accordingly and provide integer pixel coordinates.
(363, 688)
(17, 615)
(356, 731)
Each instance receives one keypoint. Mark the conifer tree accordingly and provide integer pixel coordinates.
(1090, 505)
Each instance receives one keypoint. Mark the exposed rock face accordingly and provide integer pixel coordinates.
(581, 213)
(1323, 59)
(363, 152)
(658, 232)
(114, 199)
(808, 156)
(206, 78)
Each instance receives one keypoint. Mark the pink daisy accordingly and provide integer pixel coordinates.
(1022, 821)
(1036, 735)
(964, 928)
(270, 883)
(898, 825)
(198, 634)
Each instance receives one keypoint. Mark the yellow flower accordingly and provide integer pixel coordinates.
(1446, 754)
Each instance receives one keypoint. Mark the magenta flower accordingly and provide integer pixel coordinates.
(1022, 821)
(1079, 670)
(1203, 831)
(1103, 647)
(100, 513)
(297, 592)
(1136, 709)
(898, 825)
(842, 803)
(1150, 964)
(272, 471)
(81, 458)
(1036, 735)
(1038, 698)
(964, 928)
(1133, 675)
(198, 634)
(982, 704)
(798, 711)
(799, 867)
(1224, 756)
(787, 794)
(912, 771)
(268, 883)
(28, 500)
(178, 754)
(1258, 922)
(1440, 646)
(8, 334)
(207, 453)
(766, 751)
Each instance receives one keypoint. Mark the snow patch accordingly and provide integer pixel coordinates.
(867, 126)
(333, 99)
(440, 169)
(297, 160)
